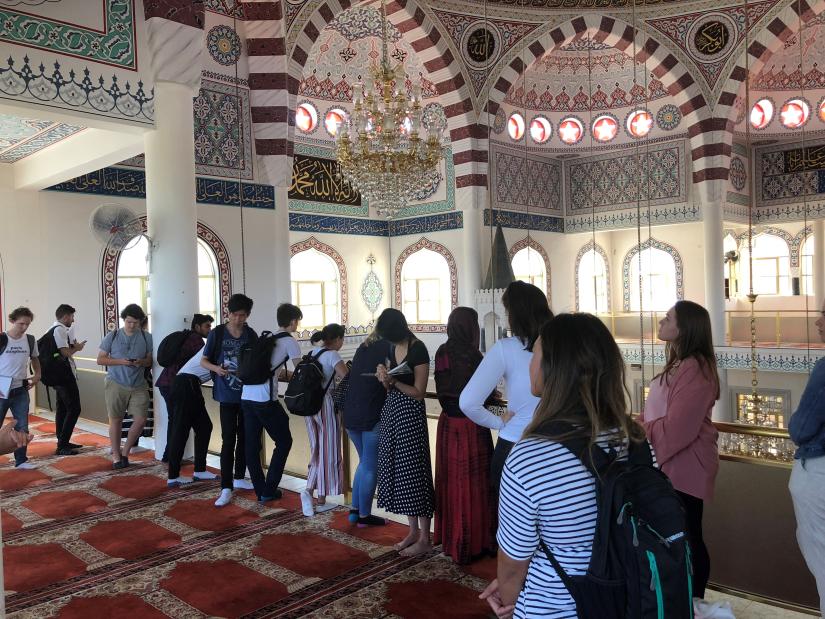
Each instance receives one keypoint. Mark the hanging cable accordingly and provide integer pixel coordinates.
(241, 152)
(592, 201)
(489, 200)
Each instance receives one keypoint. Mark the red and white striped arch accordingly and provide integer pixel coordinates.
(658, 59)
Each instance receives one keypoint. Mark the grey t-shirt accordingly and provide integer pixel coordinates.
(121, 346)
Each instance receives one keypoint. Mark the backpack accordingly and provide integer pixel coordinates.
(306, 389)
(640, 566)
(255, 357)
(55, 369)
(170, 349)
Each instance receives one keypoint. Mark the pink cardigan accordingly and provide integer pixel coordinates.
(683, 435)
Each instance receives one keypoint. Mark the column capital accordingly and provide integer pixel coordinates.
(175, 51)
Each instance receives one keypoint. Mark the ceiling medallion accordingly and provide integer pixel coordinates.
(711, 37)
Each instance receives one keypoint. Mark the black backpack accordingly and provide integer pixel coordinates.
(640, 566)
(55, 369)
(170, 350)
(255, 357)
(306, 389)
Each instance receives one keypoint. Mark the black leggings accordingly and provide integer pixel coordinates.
(701, 559)
(502, 450)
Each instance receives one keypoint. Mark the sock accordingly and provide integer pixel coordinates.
(353, 515)
(204, 475)
(371, 521)
(177, 481)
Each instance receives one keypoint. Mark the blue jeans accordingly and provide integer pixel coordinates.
(366, 475)
(18, 402)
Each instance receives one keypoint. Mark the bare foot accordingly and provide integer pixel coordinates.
(411, 538)
(421, 546)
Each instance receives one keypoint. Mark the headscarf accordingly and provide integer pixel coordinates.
(458, 358)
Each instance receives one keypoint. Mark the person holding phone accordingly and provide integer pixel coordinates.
(68, 394)
(126, 353)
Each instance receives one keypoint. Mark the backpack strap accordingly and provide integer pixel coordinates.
(318, 356)
(218, 342)
(4, 341)
(276, 336)
(32, 343)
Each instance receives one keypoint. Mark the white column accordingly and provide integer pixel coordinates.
(470, 273)
(172, 222)
(819, 263)
(281, 280)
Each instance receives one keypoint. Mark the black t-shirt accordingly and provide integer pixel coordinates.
(365, 394)
(416, 355)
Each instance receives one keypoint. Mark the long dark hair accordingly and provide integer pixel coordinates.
(695, 341)
(584, 381)
(331, 332)
(527, 310)
(392, 325)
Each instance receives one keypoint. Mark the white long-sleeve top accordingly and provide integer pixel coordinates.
(509, 360)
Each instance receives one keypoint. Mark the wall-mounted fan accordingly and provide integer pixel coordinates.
(116, 226)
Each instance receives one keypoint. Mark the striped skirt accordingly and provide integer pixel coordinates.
(326, 469)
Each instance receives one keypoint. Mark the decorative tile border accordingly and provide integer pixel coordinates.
(630, 218)
(116, 45)
(111, 257)
(52, 135)
(599, 250)
(734, 358)
(330, 224)
(524, 221)
(532, 244)
(425, 243)
(92, 95)
(742, 241)
(677, 260)
(132, 184)
(329, 251)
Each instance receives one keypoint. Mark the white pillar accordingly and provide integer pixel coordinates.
(282, 280)
(172, 222)
(469, 276)
(819, 263)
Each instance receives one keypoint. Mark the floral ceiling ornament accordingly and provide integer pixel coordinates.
(224, 45)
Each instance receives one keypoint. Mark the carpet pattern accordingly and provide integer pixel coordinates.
(83, 540)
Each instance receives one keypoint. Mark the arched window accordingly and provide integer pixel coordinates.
(425, 288)
(133, 275)
(771, 266)
(592, 283)
(655, 270)
(528, 266)
(316, 288)
(806, 265)
(133, 278)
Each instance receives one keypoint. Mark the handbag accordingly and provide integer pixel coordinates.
(339, 394)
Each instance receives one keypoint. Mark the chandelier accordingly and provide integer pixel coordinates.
(379, 148)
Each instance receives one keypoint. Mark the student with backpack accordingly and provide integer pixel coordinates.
(17, 351)
(565, 550)
(126, 354)
(220, 356)
(677, 419)
(174, 351)
(56, 350)
(261, 365)
(326, 470)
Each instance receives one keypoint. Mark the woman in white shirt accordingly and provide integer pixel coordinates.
(326, 472)
(527, 311)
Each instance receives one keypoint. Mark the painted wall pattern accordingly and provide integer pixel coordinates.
(425, 243)
(116, 45)
(783, 71)
(523, 221)
(535, 246)
(111, 257)
(599, 250)
(22, 137)
(330, 224)
(630, 218)
(132, 184)
(614, 182)
(731, 358)
(791, 182)
(677, 260)
(223, 131)
(96, 94)
(329, 251)
(533, 184)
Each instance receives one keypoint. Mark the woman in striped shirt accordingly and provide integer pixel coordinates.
(546, 492)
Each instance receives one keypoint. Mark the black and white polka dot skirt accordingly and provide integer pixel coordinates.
(405, 479)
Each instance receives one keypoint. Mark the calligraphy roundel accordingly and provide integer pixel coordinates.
(711, 37)
(480, 44)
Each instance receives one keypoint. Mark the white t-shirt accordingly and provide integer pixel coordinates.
(328, 361)
(508, 360)
(193, 367)
(64, 337)
(286, 349)
(14, 361)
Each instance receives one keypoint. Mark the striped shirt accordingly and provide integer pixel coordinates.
(547, 493)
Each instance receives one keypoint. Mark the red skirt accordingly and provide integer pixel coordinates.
(463, 511)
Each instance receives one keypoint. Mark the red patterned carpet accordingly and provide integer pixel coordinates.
(81, 540)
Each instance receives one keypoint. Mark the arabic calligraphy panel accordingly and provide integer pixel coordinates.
(317, 179)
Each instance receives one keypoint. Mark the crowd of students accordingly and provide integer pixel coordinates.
(530, 499)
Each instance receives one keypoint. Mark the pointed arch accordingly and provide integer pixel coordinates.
(328, 250)
(592, 246)
(425, 243)
(651, 244)
(532, 244)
